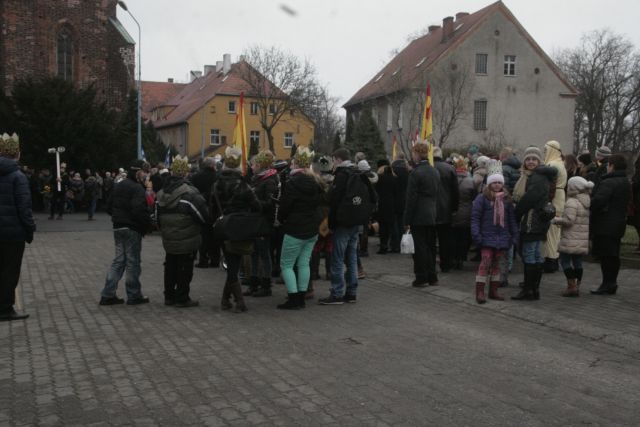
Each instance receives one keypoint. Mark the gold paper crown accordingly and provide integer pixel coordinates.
(180, 166)
(303, 157)
(494, 167)
(9, 145)
(264, 159)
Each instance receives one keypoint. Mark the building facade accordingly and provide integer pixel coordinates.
(81, 41)
(491, 85)
(200, 119)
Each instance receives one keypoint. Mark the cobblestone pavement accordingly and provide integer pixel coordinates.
(400, 356)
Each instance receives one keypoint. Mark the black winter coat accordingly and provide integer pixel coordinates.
(265, 186)
(386, 188)
(511, 172)
(233, 193)
(609, 204)
(468, 193)
(16, 218)
(402, 178)
(529, 207)
(449, 195)
(300, 210)
(128, 206)
(423, 188)
(203, 181)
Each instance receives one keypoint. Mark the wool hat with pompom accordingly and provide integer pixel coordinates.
(579, 185)
(532, 151)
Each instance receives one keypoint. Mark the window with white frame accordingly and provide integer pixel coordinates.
(215, 137)
(232, 106)
(254, 138)
(272, 109)
(481, 63)
(480, 114)
(254, 108)
(288, 139)
(509, 65)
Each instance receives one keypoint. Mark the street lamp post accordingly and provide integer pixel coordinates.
(57, 152)
(123, 5)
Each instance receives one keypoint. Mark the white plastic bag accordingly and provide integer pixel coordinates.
(406, 244)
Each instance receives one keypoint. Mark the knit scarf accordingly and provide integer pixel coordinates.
(498, 209)
(521, 185)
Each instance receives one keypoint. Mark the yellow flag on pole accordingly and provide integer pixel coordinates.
(240, 134)
(394, 148)
(427, 124)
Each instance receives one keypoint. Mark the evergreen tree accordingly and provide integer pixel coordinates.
(366, 138)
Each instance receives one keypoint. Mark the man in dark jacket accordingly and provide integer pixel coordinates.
(209, 249)
(182, 212)
(448, 200)
(602, 160)
(420, 215)
(16, 224)
(400, 169)
(345, 224)
(131, 220)
(609, 204)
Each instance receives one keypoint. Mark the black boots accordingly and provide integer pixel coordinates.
(530, 289)
(294, 302)
(551, 265)
(265, 288)
(610, 266)
(236, 290)
(254, 283)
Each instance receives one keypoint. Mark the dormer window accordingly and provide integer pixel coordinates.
(378, 78)
(421, 62)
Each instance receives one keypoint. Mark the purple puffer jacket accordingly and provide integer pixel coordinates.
(485, 233)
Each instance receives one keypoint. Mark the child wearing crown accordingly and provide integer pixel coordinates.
(494, 230)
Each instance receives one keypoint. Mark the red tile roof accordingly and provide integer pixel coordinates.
(155, 94)
(200, 91)
(422, 53)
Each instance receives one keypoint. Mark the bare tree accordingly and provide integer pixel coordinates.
(451, 87)
(328, 123)
(281, 84)
(605, 69)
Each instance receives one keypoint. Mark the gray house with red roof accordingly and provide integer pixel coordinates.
(491, 85)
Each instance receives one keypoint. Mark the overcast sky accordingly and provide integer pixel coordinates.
(348, 41)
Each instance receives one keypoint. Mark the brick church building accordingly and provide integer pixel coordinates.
(81, 41)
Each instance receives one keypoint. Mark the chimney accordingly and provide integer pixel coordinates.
(432, 28)
(195, 74)
(226, 63)
(170, 80)
(447, 28)
(218, 66)
(209, 69)
(461, 15)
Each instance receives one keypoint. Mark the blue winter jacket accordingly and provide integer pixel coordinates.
(16, 218)
(485, 233)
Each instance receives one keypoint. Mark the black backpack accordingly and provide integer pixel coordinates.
(358, 202)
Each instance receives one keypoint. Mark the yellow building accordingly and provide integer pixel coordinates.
(200, 118)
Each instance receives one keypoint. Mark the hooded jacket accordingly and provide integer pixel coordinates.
(484, 232)
(529, 207)
(401, 171)
(182, 212)
(300, 210)
(574, 237)
(511, 172)
(128, 205)
(233, 194)
(467, 190)
(265, 186)
(16, 218)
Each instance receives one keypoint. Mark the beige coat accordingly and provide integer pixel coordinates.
(574, 237)
(550, 248)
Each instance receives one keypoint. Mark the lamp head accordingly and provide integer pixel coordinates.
(51, 150)
(123, 5)
(61, 149)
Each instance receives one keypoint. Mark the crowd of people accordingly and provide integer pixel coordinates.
(279, 219)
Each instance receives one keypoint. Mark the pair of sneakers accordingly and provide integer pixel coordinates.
(335, 300)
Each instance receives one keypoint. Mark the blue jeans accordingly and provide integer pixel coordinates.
(345, 251)
(298, 252)
(531, 252)
(91, 207)
(128, 246)
(568, 261)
